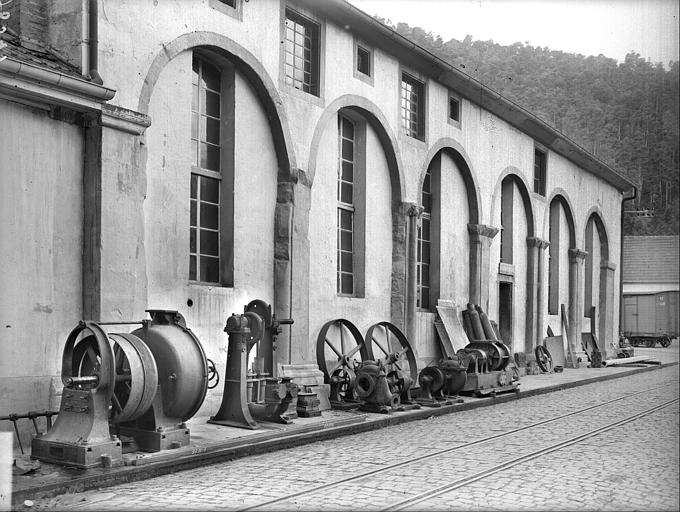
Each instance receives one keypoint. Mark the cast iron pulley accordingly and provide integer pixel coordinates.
(135, 376)
(431, 377)
(543, 358)
(339, 342)
(498, 353)
(386, 342)
(182, 364)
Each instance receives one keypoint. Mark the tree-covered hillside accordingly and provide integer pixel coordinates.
(626, 114)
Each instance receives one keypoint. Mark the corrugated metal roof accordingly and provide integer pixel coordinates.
(651, 259)
(42, 58)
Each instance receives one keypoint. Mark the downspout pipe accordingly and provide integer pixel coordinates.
(93, 21)
(623, 201)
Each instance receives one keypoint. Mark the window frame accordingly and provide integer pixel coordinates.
(425, 289)
(541, 165)
(367, 78)
(235, 11)
(457, 122)
(357, 207)
(415, 82)
(224, 176)
(316, 52)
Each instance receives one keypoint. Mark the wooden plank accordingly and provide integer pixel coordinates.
(444, 341)
(555, 345)
(448, 312)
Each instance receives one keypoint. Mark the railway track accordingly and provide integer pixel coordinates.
(599, 419)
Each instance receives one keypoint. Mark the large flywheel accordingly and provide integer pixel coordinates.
(387, 343)
(337, 347)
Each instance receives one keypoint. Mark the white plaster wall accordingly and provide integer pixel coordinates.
(520, 232)
(41, 173)
(455, 242)
(325, 304)
(166, 212)
(489, 144)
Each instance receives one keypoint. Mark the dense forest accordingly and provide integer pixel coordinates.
(625, 114)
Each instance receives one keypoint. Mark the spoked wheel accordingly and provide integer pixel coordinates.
(386, 342)
(338, 344)
(136, 375)
(543, 358)
(651, 342)
(665, 341)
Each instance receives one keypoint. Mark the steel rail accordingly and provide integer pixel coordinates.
(444, 451)
(443, 489)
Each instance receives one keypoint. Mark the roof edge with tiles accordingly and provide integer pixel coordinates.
(44, 77)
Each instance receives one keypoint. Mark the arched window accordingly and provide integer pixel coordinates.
(507, 190)
(424, 245)
(211, 205)
(351, 205)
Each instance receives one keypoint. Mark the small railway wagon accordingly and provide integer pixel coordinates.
(651, 318)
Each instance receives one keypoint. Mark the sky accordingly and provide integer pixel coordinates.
(612, 28)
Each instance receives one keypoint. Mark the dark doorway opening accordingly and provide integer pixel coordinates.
(505, 308)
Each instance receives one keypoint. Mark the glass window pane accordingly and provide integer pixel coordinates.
(346, 240)
(347, 284)
(426, 275)
(345, 219)
(347, 128)
(347, 149)
(194, 153)
(194, 98)
(194, 69)
(192, 268)
(194, 185)
(211, 76)
(210, 269)
(346, 261)
(210, 190)
(209, 216)
(209, 243)
(427, 203)
(210, 157)
(194, 125)
(347, 171)
(346, 193)
(193, 214)
(212, 130)
(212, 104)
(425, 255)
(192, 240)
(425, 299)
(426, 228)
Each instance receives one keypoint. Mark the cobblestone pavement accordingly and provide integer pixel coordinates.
(631, 467)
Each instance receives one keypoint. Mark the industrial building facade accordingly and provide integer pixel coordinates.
(295, 151)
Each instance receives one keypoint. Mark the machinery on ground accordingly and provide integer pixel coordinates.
(252, 394)
(143, 384)
(490, 368)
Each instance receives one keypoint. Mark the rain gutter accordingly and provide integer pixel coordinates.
(35, 82)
